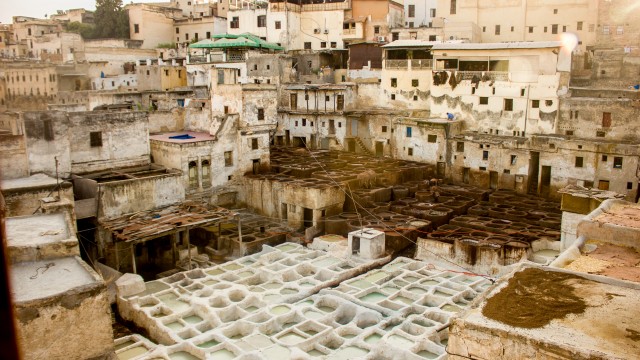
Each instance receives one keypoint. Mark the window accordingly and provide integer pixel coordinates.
(514, 158)
(410, 151)
(206, 173)
(384, 128)
(306, 96)
(452, 9)
(278, 25)
(262, 20)
(592, 27)
(484, 29)
(186, 36)
(195, 36)
(136, 28)
(304, 122)
(545, 29)
(579, 26)
(530, 29)
(605, 158)
(569, 132)
(48, 130)
(193, 174)
(606, 119)
(484, 100)
(323, 44)
(508, 104)
(485, 155)
(554, 28)
(603, 184)
(296, 124)
(605, 29)
(340, 102)
(293, 101)
(376, 30)
(497, 29)
(95, 138)
(307, 45)
(460, 146)
(415, 82)
(260, 114)
(579, 161)
(334, 44)
(228, 158)
(513, 28)
(432, 138)
(432, 13)
(235, 22)
(548, 102)
(208, 34)
(619, 30)
(393, 96)
(617, 162)
(409, 131)
(564, 28)
(395, 36)
(412, 11)
(254, 144)
(535, 104)
(394, 82)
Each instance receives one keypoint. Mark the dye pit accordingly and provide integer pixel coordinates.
(289, 301)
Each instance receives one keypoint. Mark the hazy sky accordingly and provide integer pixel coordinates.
(38, 8)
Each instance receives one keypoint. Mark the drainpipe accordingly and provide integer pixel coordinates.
(526, 112)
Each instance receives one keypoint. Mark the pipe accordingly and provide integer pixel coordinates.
(570, 254)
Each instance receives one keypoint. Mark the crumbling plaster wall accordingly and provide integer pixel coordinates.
(114, 198)
(26, 201)
(13, 157)
(584, 117)
(406, 95)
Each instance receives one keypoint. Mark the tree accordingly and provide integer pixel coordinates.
(85, 30)
(112, 21)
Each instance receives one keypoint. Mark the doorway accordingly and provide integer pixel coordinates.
(493, 180)
(308, 218)
(256, 166)
(379, 148)
(354, 127)
(545, 181)
(355, 245)
(534, 164)
(465, 175)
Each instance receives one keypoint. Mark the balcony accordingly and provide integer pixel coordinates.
(494, 75)
(409, 64)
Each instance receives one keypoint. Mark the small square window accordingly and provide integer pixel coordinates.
(410, 151)
(484, 100)
(579, 26)
(514, 159)
(323, 44)
(394, 82)
(535, 104)
(600, 134)
(569, 132)
(605, 158)
(339, 124)
(393, 96)
(304, 122)
(508, 104)
(548, 102)
(482, 168)
(384, 128)
(326, 98)
(485, 155)
(228, 158)
(307, 45)
(415, 97)
(506, 171)
(254, 144)
(460, 146)
(260, 114)
(579, 161)
(555, 11)
(629, 186)
(296, 123)
(95, 138)
(432, 138)
(278, 24)
(530, 29)
(617, 162)
(334, 45)
(414, 82)
(409, 132)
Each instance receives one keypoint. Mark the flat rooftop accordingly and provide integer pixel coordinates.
(620, 214)
(42, 279)
(183, 137)
(540, 310)
(36, 230)
(36, 180)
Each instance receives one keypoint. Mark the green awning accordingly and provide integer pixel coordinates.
(226, 41)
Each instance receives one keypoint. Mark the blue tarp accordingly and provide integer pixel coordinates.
(182, 137)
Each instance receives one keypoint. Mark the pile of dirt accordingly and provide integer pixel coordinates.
(533, 297)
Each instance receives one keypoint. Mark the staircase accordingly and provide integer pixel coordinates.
(362, 147)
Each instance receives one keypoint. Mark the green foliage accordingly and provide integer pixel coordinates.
(85, 30)
(112, 21)
(166, 46)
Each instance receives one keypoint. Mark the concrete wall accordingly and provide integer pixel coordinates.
(155, 24)
(114, 198)
(13, 157)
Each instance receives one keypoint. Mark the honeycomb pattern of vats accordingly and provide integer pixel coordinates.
(226, 293)
(398, 311)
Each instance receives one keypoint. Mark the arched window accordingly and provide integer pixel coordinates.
(206, 173)
(193, 174)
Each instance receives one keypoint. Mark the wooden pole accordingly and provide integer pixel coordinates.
(186, 236)
(133, 257)
(174, 249)
(239, 230)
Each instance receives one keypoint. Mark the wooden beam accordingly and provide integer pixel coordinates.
(133, 257)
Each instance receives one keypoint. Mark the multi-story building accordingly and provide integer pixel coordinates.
(419, 13)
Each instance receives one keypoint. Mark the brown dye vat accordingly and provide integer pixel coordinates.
(534, 297)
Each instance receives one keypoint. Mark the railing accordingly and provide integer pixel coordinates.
(235, 57)
(397, 64)
(494, 75)
(285, 6)
(197, 59)
(422, 64)
(348, 31)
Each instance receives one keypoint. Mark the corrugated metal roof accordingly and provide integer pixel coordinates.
(246, 40)
(497, 46)
(410, 43)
